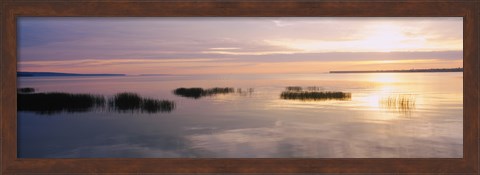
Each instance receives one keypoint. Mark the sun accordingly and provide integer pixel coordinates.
(385, 38)
(382, 37)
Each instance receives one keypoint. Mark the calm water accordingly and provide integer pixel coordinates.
(256, 124)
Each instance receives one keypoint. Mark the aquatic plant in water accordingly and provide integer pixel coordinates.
(55, 102)
(299, 88)
(127, 101)
(293, 88)
(217, 90)
(154, 106)
(403, 103)
(242, 92)
(314, 95)
(200, 92)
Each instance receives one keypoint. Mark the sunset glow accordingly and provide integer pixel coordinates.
(237, 45)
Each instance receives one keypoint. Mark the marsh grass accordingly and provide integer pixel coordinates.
(293, 88)
(189, 92)
(299, 88)
(154, 106)
(26, 90)
(248, 91)
(132, 102)
(315, 95)
(200, 92)
(314, 88)
(312, 93)
(403, 103)
(56, 102)
(217, 90)
(125, 101)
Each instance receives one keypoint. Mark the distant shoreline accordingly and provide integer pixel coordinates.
(61, 74)
(57, 74)
(401, 71)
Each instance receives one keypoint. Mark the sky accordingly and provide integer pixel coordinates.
(237, 45)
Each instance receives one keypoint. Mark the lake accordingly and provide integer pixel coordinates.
(254, 122)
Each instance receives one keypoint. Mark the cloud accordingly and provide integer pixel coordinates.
(349, 56)
(65, 41)
(106, 62)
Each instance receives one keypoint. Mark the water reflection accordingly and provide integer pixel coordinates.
(385, 78)
(259, 126)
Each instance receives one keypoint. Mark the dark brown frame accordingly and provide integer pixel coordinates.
(469, 10)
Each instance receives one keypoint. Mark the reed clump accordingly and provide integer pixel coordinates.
(55, 102)
(125, 101)
(200, 92)
(314, 88)
(299, 88)
(293, 88)
(312, 93)
(248, 91)
(315, 95)
(128, 101)
(189, 92)
(218, 90)
(154, 105)
(404, 103)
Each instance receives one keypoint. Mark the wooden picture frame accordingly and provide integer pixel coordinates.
(11, 10)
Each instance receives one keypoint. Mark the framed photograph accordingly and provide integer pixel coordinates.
(239, 87)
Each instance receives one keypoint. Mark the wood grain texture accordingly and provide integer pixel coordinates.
(2, 30)
(10, 164)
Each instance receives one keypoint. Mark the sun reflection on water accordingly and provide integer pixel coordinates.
(384, 77)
